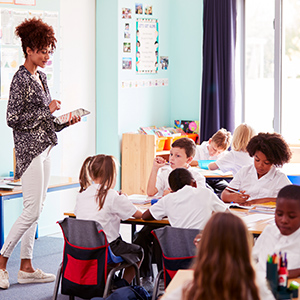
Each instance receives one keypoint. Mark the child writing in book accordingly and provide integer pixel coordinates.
(261, 181)
(223, 267)
(214, 148)
(99, 202)
(285, 235)
(238, 156)
(186, 206)
(181, 154)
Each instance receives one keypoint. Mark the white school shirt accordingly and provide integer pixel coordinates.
(162, 179)
(272, 241)
(116, 207)
(264, 292)
(233, 161)
(267, 186)
(202, 152)
(189, 207)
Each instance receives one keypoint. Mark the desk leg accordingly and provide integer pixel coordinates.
(133, 231)
(1, 221)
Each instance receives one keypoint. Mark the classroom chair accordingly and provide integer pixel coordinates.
(178, 250)
(88, 265)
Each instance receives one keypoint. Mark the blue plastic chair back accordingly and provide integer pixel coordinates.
(113, 258)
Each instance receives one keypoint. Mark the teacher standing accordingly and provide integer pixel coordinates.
(29, 114)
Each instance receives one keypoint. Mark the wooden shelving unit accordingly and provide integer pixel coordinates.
(138, 152)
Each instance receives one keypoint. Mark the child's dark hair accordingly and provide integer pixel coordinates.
(187, 144)
(273, 146)
(291, 191)
(101, 167)
(180, 177)
(36, 35)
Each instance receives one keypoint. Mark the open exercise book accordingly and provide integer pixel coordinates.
(140, 199)
(80, 112)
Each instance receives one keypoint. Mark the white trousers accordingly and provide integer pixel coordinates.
(35, 181)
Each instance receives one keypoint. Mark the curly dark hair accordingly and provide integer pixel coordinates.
(179, 178)
(35, 34)
(273, 146)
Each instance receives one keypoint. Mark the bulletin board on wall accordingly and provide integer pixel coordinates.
(11, 52)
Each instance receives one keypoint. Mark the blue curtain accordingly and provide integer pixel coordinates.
(218, 91)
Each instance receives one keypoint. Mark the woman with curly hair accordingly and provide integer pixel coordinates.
(29, 114)
(223, 267)
(260, 182)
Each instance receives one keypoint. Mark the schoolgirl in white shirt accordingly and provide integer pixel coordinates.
(261, 182)
(186, 206)
(238, 157)
(99, 202)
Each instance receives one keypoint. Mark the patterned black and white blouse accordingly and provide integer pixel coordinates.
(29, 116)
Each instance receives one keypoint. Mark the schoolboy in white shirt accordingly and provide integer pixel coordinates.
(285, 235)
(214, 148)
(181, 154)
(186, 206)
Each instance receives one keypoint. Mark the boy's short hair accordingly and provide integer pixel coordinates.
(180, 177)
(187, 144)
(273, 146)
(291, 191)
(222, 138)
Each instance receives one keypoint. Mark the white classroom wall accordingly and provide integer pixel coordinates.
(77, 89)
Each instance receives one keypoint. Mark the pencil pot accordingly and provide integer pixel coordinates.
(272, 276)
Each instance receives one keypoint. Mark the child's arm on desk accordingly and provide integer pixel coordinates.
(157, 164)
(147, 215)
(233, 195)
(213, 166)
(138, 214)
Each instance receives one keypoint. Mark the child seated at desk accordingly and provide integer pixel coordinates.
(181, 154)
(214, 148)
(223, 266)
(285, 235)
(99, 202)
(261, 181)
(186, 206)
(238, 157)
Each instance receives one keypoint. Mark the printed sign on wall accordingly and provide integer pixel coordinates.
(146, 46)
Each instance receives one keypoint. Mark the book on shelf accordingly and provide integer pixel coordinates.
(65, 118)
(147, 130)
(187, 126)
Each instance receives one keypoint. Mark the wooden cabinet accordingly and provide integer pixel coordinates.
(138, 152)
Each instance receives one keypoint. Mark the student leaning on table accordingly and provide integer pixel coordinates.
(261, 181)
(97, 200)
(238, 156)
(186, 206)
(181, 154)
(214, 148)
(223, 266)
(29, 114)
(285, 235)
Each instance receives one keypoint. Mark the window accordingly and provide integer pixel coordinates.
(270, 66)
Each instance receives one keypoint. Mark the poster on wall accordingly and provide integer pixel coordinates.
(146, 46)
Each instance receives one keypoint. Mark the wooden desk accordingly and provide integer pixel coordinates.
(186, 275)
(256, 228)
(56, 184)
